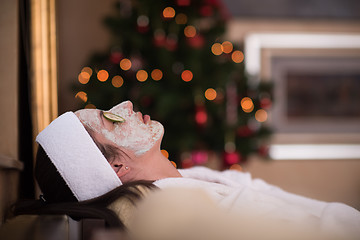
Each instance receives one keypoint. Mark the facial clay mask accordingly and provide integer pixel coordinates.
(134, 134)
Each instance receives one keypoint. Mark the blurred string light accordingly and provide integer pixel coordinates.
(181, 18)
(210, 94)
(237, 56)
(156, 74)
(227, 47)
(247, 104)
(236, 167)
(165, 153)
(142, 21)
(169, 12)
(82, 96)
(174, 164)
(102, 75)
(117, 81)
(84, 75)
(87, 70)
(90, 106)
(190, 31)
(187, 75)
(141, 75)
(217, 49)
(261, 115)
(125, 64)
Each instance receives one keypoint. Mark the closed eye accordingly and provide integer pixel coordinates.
(109, 125)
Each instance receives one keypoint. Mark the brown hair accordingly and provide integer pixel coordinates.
(58, 198)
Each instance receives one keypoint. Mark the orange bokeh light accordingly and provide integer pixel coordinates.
(210, 94)
(227, 47)
(82, 96)
(141, 75)
(237, 56)
(190, 31)
(261, 115)
(236, 167)
(217, 49)
(165, 153)
(84, 77)
(90, 106)
(88, 70)
(117, 81)
(187, 75)
(102, 75)
(125, 64)
(156, 74)
(174, 164)
(247, 104)
(169, 12)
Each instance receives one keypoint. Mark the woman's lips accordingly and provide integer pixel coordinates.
(144, 118)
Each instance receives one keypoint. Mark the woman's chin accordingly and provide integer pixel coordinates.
(157, 130)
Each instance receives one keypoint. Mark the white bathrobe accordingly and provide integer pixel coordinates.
(236, 191)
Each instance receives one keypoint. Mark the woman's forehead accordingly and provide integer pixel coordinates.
(89, 117)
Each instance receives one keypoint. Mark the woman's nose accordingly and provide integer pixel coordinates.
(124, 105)
(129, 105)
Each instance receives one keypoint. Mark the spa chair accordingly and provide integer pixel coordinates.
(50, 227)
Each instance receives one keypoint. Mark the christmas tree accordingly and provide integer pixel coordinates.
(171, 60)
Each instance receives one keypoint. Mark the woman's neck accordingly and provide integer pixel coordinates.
(158, 167)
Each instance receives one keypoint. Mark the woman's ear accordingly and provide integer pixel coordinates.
(123, 171)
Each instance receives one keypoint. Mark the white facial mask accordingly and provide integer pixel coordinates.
(133, 134)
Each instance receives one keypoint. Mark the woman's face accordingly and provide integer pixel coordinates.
(138, 133)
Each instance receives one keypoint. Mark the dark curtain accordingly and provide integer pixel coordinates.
(26, 186)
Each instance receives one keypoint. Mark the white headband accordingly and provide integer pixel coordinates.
(77, 158)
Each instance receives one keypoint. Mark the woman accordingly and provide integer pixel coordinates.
(136, 142)
(96, 151)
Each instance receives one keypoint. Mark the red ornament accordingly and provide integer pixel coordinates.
(206, 11)
(171, 44)
(244, 131)
(263, 151)
(159, 38)
(187, 163)
(142, 29)
(159, 41)
(215, 3)
(199, 157)
(231, 158)
(201, 115)
(218, 4)
(115, 57)
(265, 103)
(196, 42)
(183, 3)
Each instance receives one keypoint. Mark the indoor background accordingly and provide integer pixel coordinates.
(296, 43)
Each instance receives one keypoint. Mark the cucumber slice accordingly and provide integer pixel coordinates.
(113, 117)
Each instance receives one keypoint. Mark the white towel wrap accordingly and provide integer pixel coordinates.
(77, 158)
